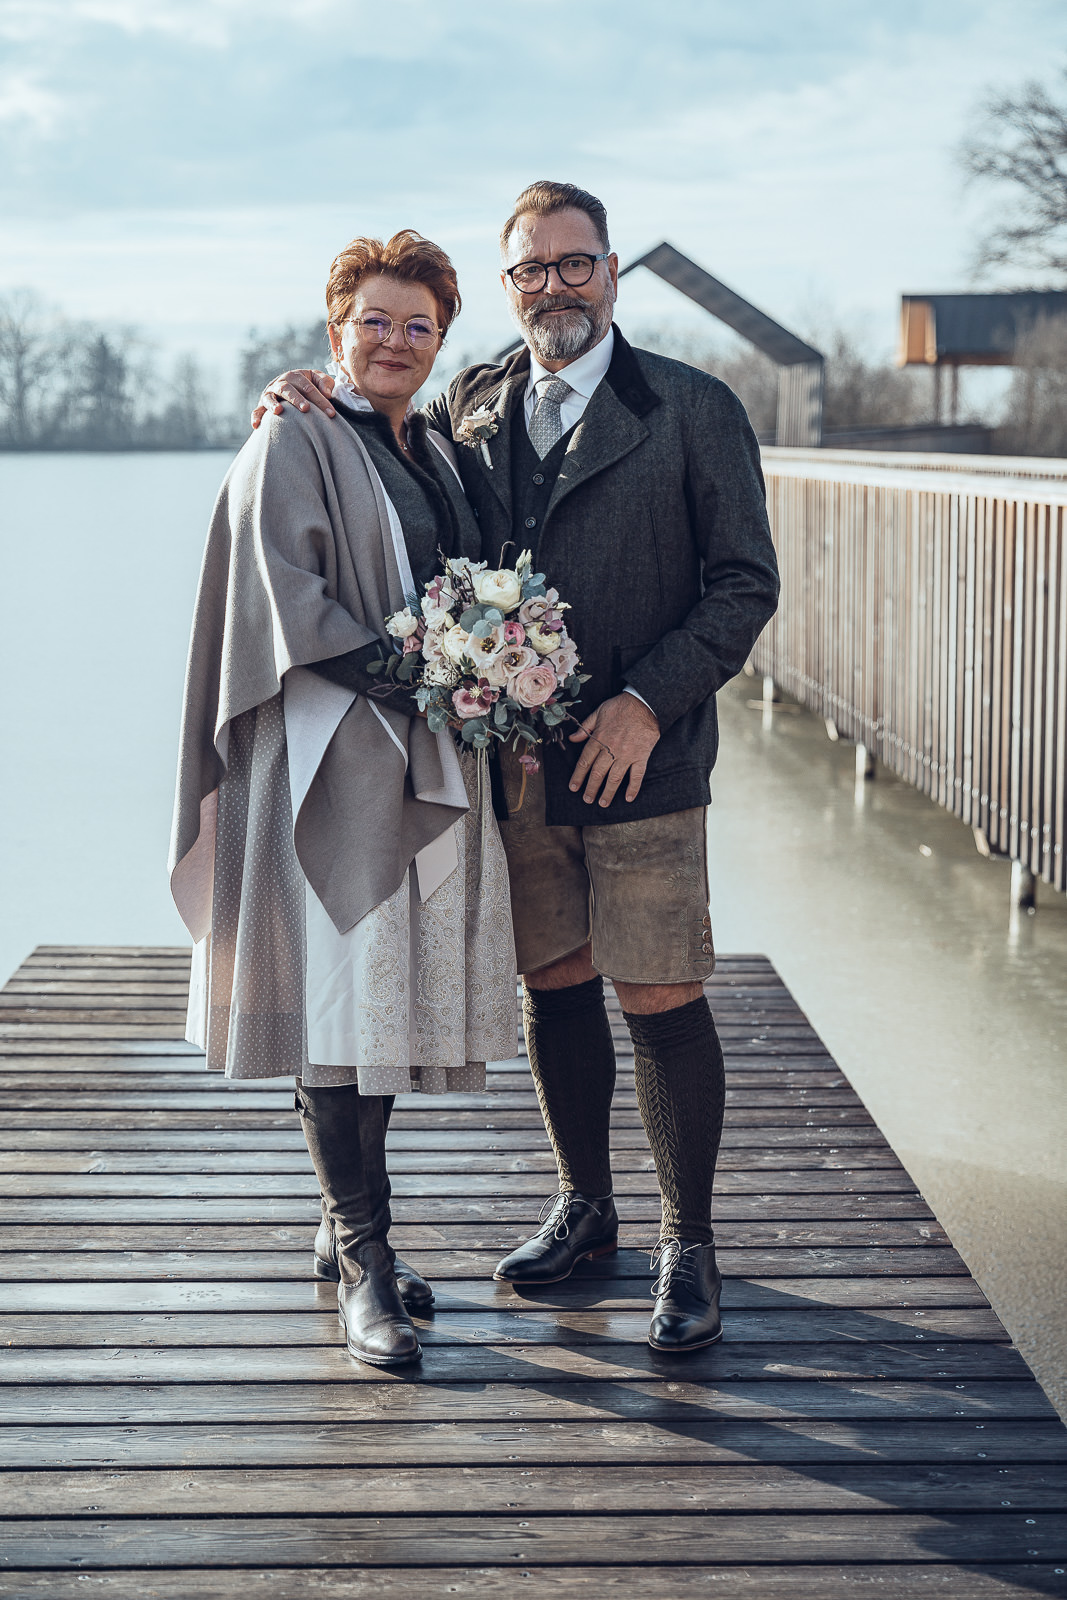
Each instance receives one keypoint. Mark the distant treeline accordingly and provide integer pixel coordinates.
(75, 386)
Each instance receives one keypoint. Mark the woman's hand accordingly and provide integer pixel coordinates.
(296, 389)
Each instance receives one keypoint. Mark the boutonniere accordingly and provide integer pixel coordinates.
(477, 429)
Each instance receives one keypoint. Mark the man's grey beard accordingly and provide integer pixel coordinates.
(564, 338)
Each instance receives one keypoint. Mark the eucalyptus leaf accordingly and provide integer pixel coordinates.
(481, 630)
(472, 615)
(374, 667)
(436, 721)
(494, 615)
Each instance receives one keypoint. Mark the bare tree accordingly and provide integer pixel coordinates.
(1035, 411)
(1021, 145)
(32, 339)
(264, 356)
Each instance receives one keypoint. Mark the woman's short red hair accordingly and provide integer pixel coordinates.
(408, 257)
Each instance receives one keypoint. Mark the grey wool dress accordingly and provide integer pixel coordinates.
(344, 885)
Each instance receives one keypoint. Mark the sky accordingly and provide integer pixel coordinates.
(192, 166)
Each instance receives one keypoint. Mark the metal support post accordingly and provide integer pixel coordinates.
(1023, 887)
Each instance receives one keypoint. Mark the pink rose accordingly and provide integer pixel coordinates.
(533, 610)
(533, 687)
(563, 661)
(412, 643)
(514, 633)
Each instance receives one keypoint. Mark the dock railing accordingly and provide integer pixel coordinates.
(924, 613)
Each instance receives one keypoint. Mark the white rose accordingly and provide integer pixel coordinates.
(441, 671)
(495, 672)
(402, 624)
(501, 589)
(540, 639)
(437, 616)
(455, 643)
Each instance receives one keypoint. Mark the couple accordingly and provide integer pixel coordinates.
(346, 886)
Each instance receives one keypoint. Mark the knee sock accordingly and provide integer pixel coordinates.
(572, 1058)
(681, 1089)
(345, 1133)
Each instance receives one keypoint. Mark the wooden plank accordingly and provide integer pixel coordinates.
(810, 1581)
(708, 1439)
(935, 1261)
(450, 1360)
(309, 1541)
(612, 1489)
(532, 1324)
(303, 1293)
(534, 1395)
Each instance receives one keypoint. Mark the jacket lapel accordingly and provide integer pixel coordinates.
(612, 424)
(607, 431)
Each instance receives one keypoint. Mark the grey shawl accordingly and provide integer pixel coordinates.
(299, 567)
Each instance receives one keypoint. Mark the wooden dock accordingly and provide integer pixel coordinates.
(180, 1418)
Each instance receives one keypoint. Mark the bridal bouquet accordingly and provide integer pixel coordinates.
(488, 654)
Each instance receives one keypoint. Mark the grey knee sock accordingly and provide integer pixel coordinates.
(572, 1058)
(681, 1089)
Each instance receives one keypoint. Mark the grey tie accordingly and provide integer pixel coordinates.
(545, 424)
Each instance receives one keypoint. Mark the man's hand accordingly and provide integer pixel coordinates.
(298, 389)
(620, 736)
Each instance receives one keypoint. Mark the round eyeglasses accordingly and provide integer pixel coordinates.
(376, 327)
(530, 277)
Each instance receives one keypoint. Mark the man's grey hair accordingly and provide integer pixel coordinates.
(544, 197)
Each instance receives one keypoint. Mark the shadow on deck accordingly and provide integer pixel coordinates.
(180, 1418)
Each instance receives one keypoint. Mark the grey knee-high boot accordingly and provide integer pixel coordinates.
(345, 1133)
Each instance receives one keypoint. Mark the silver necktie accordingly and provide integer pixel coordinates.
(545, 424)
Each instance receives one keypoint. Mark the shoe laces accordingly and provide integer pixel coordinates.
(677, 1264)
(556, 1225)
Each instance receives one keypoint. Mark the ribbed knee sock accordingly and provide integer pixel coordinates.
(572, 1058)
(681, 1089)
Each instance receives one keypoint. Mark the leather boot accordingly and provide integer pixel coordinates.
(345, 1133)
(687, 1296)
(376, 1326)
(576, 1229)
(414, 1290)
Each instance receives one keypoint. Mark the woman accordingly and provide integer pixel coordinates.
(350, 908)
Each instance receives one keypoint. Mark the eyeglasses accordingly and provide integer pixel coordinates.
(530, 277)
(376, 327)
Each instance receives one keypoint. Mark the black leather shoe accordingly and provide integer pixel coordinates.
(687, 1296)
(377, 1327)
(576, 1229)
(414, 1290)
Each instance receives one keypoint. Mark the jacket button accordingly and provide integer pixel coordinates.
(539, 478)
(531, 522)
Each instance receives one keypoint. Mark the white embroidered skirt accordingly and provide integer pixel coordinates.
(418, 995)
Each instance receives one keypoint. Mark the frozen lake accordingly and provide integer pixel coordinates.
(100, 561)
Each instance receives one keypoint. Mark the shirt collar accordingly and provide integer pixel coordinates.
(584, 374)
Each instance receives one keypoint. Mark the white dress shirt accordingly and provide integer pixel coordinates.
(583, 375)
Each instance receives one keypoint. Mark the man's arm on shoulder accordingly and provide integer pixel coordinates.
(728, 516)
(303, 388)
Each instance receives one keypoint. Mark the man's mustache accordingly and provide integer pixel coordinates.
(557, 302)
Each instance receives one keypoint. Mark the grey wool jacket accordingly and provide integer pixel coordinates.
(656, 533)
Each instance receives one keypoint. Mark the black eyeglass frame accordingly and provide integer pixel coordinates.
(380, 316)
(546, 268)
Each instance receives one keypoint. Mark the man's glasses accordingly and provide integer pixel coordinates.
(376, 327)
(530, 277)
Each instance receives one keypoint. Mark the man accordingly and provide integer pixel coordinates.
(636, 481)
